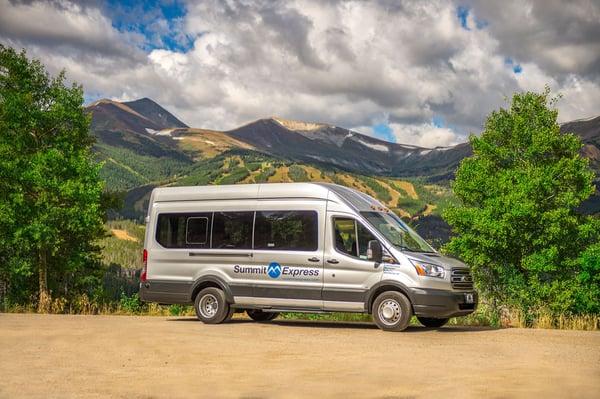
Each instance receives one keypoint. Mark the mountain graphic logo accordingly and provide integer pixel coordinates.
(274, 270)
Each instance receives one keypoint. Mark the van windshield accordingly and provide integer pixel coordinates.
(398, 233)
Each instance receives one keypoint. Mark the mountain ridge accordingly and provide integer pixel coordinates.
(140, 152)
(301, 141)
(142, 143)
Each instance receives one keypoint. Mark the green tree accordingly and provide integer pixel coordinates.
(517, 224)
(50, 192)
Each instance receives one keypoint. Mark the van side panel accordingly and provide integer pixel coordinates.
(173, 272)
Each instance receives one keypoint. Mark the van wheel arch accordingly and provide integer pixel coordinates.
(383, 287)
(211, 281)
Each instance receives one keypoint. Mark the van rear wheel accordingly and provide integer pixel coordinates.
(392, 311)
(432, 322)
(211, 306)
(259, 315)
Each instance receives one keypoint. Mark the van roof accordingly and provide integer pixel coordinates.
(355, 199)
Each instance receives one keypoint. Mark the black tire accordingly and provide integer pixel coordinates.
(392, 311)
(432, 322)
(259, 315)
(211, 306)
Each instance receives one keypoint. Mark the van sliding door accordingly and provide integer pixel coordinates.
(288, 244)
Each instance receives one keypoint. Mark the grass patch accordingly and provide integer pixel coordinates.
(298, 174)
(485, 316)
(546, 320)
(382, 193)
(411, 205)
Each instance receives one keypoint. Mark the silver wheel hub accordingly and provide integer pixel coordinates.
(389, 311)
(208, 306)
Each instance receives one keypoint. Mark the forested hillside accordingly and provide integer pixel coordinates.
(143, 146)
(140, 151)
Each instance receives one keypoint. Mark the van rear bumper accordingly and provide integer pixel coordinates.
(429, 302)
(165, 292)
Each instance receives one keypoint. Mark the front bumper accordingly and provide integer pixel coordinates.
(429, 302)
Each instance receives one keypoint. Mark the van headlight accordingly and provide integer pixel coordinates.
(428, 269)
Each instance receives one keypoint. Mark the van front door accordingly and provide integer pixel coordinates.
(288, 244)
(347, 272)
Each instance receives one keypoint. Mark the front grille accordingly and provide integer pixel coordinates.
(461, 279)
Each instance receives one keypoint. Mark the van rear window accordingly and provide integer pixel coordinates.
(286, 230)
(176, 230)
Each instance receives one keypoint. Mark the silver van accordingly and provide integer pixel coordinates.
(301, 247)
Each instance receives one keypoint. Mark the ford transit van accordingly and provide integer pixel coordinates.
(301, 247)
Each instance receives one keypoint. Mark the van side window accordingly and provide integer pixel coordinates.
(197, 230)
(177, 230)
(232, 230)
(351, 237)
(345, 236)
(286, 230)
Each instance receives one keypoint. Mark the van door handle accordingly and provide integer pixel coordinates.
(333, 261)
(314, 259)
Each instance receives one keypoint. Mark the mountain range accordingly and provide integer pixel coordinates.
(143, 145)
(149, 130)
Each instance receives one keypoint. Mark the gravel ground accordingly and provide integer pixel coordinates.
(62, 356)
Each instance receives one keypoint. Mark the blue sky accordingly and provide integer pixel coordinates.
(159, 22)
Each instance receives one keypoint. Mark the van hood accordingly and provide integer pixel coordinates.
(445, 261)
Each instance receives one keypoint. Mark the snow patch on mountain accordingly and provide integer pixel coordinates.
(163, 132)
(377, 147)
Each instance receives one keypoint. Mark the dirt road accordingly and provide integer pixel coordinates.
(156, 357)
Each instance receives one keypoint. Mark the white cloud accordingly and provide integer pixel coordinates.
(425, 135)
(341, 62)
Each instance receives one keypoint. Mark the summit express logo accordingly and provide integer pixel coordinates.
(275, 270)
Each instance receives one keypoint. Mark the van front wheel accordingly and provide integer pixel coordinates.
(431, 322)
(259, 315)
(392, 311)
(211, 306)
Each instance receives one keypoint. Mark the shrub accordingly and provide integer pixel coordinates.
(264, 175)
(298, 174)
(131, 304)
(236, 175)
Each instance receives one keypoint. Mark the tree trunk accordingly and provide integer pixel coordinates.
(44, 297)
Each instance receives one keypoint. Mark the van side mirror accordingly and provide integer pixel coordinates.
(374, 251)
